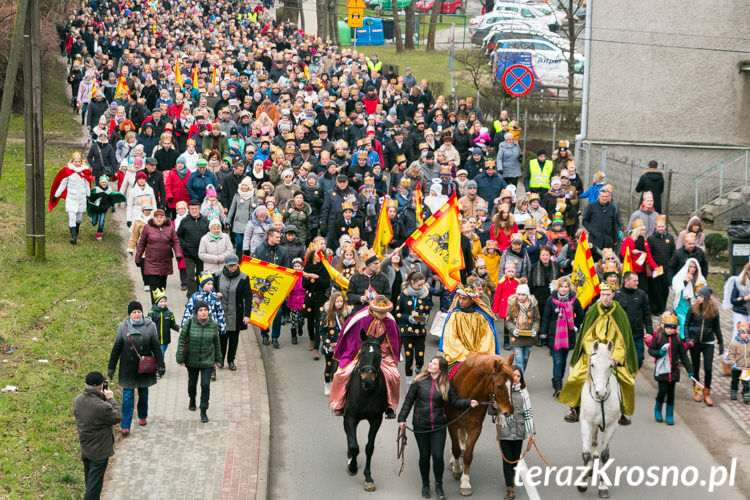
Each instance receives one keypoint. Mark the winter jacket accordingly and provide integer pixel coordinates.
(124, 151)
(149, 142)
(316, 290)
(652, 180)
(700, 329)
(662, 247)
(299, 218)
(176, 188)
(541, 277)
(636, 305)
(240, 212)
(516, 322)
(489, 188)
(223, 144)
(739, 353)
(602, 223)
(428, 403)
(549, 320)
(236, 297)
(628, 243)
(95, 110)
(95, 415)
(213, 253)
(272, 254)
(145, 340)
(102, 159)
(509, 159)
(155, 179)
(314, 198)
(332, 204)
(676, 351)
(255, 232)
(520, 424)
(199, 345)
(295, 249)
(158, 243)
(412, 312)
(190, 233)
(197, 184)
(166, 158)
(532, 249)
(522, 262)
(215, 311)
(648, 217)
(359, 284)
(296, 298)
(700, 237)
(681, 256)
(165, 322)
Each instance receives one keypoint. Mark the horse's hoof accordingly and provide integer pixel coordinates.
(350, 471)
(465, 492)
(603, 493)
(369, 486)
(582, 489)
(456, 475)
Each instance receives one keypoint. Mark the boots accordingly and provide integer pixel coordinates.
(670, 414)
(98, 236)
(556, 386)
(572, 416)
(73, 235)
(191, 405)
(204, 417)
(426, 493)
(294, 336)
(698, 397)
(707, 396)
(657, 411)
(733, 395)
(510, 493)
(439, 491)
(746, 397)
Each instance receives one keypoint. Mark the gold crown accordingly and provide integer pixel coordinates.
(670, 318)
(607, 286)
(158, 294)
(347, 205)
(392, 204)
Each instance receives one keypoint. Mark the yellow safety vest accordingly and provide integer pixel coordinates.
(540, 177)
(374, 66)
(498, 126)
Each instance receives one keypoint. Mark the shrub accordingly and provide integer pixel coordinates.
(715, 244)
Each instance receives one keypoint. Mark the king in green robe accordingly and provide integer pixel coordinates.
(606, 320)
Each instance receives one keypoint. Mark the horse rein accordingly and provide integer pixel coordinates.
(601, 401)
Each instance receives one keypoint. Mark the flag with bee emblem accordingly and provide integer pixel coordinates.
(334, 273)
(584, 277)
(418, 208)
(270, 285)
(438, 243)
(384, 232)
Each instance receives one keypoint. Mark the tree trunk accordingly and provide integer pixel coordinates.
(397, 27)
(409, 29)
(333, 25)
(437, 7)
(321, 9)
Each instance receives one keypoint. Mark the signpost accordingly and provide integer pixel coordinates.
(518, 80)
(355, 15)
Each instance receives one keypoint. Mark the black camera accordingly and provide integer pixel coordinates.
(105, 385)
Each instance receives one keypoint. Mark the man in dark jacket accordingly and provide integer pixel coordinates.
(272, 252)
(635, 302)
(652, 180)
(231, 183)
(394, 148)
(357, 294)
(155, 179)
(489, 184)
(662, 247)
(97, 107)
(601, 221)
(333, 201)
(690, 249)
(101, 158)
(236, 300)
(96, 411)
(192, 228)
(135, 111)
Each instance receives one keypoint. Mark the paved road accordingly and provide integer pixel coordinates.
(308, 451)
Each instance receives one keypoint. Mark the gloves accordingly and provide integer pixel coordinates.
(735, 366)
(323, 228)
(690, 374)
(110, 375)
(162, 371)
(515, 332)
(54, 199)
(170, 200)
(129, 224)
(664, 348)
(533, 333)
(721, 350)
(179, 258)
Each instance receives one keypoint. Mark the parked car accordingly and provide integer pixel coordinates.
(449, 7)
(519, 30)
(386, 5)
(480, 26)
(548, 62)
(540, 12)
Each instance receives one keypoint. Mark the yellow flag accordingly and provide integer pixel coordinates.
(213, 76)
(270, 285)
(333, 272)
(94, 89)
(384, 232)
(584, 276)
(177, 74)
(418, 205)
(194, 77)
(438, 243)
(121, 85)
(627, 262)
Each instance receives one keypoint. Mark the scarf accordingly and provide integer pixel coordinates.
(215, 237)
(564, 321)
(182, 173)
(134, 323)
(245, 195)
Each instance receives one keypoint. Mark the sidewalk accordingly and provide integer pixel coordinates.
(175, 455)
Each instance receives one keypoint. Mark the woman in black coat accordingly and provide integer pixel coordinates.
(233, 286)
(136, 336)
(429, 395)
(316, 291)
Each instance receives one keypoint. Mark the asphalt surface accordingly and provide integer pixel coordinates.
(308, 444)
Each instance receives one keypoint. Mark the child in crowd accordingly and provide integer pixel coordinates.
(211, 208)
(294, 303)
(592, 193)
(667, 345)
(739, 359)
(336, 312)
(412, 312)
(99, 202)
(163, 318)
(505, 288)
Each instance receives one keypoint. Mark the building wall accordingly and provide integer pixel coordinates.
(641, 92)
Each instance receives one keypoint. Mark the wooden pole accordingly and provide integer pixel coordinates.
(38, 131)
(9, 84)
(29, 134)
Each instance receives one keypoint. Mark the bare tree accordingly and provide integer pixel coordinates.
(436, 9)
(409, 28)
(333, 25)
(397, 26)
(571, 32)
(321, 10)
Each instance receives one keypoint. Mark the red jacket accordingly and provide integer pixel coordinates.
(505, 288)
(159, 244)
(503, 240)
(176, 188)
(629, 243)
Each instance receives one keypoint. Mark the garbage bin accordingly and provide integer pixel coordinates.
(738, 233)
(345, 33)
(388, 31)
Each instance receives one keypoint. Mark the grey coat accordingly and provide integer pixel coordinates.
(509, 159)
(95, 417)
(239, 213)
(519, 425)
(255, 233)
(146, 340)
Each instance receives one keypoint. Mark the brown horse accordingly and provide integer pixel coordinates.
(484, 377)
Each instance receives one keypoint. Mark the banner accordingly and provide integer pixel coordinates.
(333, 272)
(94, 89)
(270, 286)
(438, 243)
(121, 85)
(584, 276)
(627, 262)
(194, 77)
(418, 205)
(384, 231)
(178, 73)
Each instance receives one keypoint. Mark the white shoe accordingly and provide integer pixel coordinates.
(402, 357)
(146, 288)
(327, 388)
(408, 380)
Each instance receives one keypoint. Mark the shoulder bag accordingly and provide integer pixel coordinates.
(146, 364)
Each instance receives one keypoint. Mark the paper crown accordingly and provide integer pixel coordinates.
(607, 286)
(743, 326)
(204, 278)
(637, 224)
(445, 170)
(405, 182)
(533, 196)
(347, 205)
(557, 218)
(670, 318)
(76, 156)
(609, 268)
(353, 231)
(467, 291)
(158, 294)
(661, 218)
(392, 204)
(400, 158)
(381, 303)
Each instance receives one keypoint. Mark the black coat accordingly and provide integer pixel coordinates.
(316, 290)
(391, 151)
(156, 181)
(243, 300)
(429, 405)
(190, 233)
(636, 305)
(408, 324)
(359, 284)
(652, 180)
(102, 159)
(146, 341)
(676, 352)
(662, 247)
(703, 330)
(681, 256)
(95, 110)
(272, 254)
(167, 159)
(602, 223)
(314, 197)
(549, 321)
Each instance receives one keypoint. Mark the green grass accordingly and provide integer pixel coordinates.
(58, 118)
(430, 65)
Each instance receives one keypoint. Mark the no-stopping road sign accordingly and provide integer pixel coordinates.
(518, 80)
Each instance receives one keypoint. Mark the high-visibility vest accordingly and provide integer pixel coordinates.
(498, 126)
(374, 66)
(540, 177)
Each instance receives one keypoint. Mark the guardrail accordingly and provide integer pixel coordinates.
(727, 176)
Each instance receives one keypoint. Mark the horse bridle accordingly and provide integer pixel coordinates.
(491, 393)
(601, 401)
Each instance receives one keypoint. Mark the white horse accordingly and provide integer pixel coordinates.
(600, 410)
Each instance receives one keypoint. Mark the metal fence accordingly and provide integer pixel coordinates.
(727, 176)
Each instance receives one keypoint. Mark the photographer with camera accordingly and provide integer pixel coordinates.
(96, 411)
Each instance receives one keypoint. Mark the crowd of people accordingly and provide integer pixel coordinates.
(222, 133)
